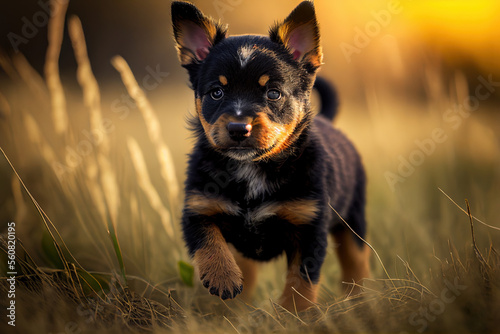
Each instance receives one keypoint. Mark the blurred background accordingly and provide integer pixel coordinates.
(396, 36)
(419, 86)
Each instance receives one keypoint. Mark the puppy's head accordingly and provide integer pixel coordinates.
(252, 92)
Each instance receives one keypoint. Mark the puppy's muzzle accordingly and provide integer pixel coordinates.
(239, 131)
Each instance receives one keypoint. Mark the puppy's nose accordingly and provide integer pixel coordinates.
(239, 131)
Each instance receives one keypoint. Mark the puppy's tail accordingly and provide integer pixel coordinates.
(328, 98)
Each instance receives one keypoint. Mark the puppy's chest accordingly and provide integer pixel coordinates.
(263, 197)
(254, 183)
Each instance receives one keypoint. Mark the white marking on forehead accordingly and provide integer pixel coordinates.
(245, 54)
(237, 107)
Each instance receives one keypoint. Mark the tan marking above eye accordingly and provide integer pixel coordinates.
(263, 80)
(223, 80)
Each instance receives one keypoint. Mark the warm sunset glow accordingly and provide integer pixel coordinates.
(459, 28)
(469, 22)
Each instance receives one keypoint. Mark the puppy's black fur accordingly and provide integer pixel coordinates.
(264, 169)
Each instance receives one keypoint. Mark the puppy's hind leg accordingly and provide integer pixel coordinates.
(353, 253)
(250, 269)
(353, 258)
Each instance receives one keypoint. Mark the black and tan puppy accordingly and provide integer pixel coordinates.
(264, 170)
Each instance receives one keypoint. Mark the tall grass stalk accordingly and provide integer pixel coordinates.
(55, 38)
(105, 173)
(167, 168)
(147, 187)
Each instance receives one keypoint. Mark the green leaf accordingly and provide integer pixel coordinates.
(50, 251)
(187, 272)
(93, 282)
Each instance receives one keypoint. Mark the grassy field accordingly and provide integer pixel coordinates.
(92, 180)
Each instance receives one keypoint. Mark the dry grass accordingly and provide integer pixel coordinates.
(103, 233)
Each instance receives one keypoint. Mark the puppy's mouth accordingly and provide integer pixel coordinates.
(240, 154)
(250, 138)
(244, 150)
(237, 138)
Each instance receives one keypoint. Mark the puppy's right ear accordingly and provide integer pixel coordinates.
(194, 32)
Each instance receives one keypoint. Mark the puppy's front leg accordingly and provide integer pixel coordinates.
(300, 292)
(304, 265)
(218, 270)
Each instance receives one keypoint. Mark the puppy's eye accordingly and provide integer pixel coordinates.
(217, 94)
(273, 94)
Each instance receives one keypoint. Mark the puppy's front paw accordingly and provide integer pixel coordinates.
(222, 283)
(220, 274)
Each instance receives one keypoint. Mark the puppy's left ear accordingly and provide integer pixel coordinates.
(299, 33)
(194, 33)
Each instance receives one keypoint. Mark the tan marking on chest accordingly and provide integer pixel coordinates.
(210, 206)
(296, 212)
